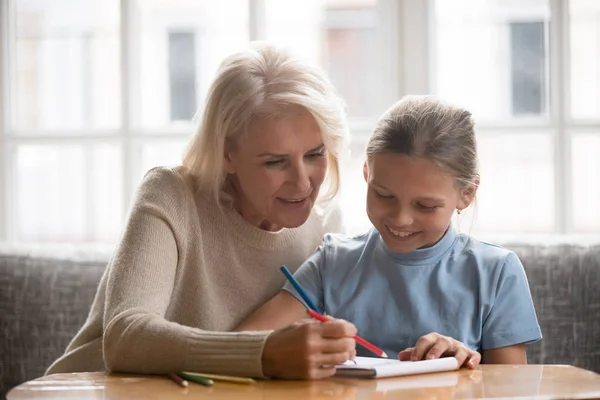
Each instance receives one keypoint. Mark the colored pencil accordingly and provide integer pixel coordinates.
(358, 339)
(197, 379)
(297, 286)
(224, 378)
(178, 380)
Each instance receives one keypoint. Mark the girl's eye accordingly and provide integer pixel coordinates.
(427, 208)
(384, 196)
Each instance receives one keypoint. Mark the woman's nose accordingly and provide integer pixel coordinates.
(301, 178)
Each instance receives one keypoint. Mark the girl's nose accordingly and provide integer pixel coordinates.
(403, 218)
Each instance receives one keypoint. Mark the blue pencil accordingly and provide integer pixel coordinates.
(297, 286)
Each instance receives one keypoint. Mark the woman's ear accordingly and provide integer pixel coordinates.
(231, 156)
(468, 195)
(366, 172)
(228, 162)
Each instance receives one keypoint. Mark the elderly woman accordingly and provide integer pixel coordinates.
(204, 241)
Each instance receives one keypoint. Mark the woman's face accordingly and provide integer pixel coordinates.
(277, 169)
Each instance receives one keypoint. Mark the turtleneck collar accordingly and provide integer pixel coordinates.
(426, 256)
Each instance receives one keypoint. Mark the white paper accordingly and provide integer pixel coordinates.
(370, 367)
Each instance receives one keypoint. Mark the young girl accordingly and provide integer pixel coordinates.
(413, 285)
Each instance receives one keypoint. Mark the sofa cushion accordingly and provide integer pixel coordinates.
(45, 297)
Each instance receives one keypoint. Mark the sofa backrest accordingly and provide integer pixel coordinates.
(44, 300)
(565, 286)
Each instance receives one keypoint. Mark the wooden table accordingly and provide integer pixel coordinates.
(488, 381)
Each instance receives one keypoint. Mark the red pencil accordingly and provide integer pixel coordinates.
(358, 339)
(178, 380)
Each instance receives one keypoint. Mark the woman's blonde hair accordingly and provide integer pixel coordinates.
(424, 126)
(262, 82)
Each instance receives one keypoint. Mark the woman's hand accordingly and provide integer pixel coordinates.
(434, 345)
(308, 349)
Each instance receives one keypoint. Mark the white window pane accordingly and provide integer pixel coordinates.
(585, 58)
(180, 44)
(106, 185)
(492, 56)
(338, 35)
(67, 64)
(161, 154)
(586, 182)
(516, 194)
(68, 193)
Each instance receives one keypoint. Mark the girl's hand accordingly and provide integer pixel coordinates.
(308, 349)
(434, 345)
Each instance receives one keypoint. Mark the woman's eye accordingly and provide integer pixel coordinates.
(313, 156)
(273, 163)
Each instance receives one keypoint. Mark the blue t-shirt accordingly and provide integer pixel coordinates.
(472, 291)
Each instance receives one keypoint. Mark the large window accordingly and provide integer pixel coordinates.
(93, 94)
(529, 72)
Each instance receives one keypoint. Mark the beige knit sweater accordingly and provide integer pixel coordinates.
(182, 276)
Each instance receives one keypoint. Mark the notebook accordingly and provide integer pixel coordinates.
(370, 367)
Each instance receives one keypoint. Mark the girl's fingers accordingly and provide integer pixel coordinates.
(423, 345)
(462, 355)
(443, 345)
(434, 345)
(474, 360)
(405, 354)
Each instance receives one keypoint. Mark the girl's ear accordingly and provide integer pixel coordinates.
(468, 195)
(366, 172)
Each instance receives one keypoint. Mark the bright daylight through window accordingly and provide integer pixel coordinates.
(96, 93)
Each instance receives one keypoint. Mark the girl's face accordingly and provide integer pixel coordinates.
(277, 169)
(411, 200)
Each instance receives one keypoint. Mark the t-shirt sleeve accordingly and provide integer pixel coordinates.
(512, 319)
(309, 277)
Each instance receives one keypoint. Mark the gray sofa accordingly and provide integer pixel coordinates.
(45, 295)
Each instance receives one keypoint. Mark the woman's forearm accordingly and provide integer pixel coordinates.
(146, 343)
